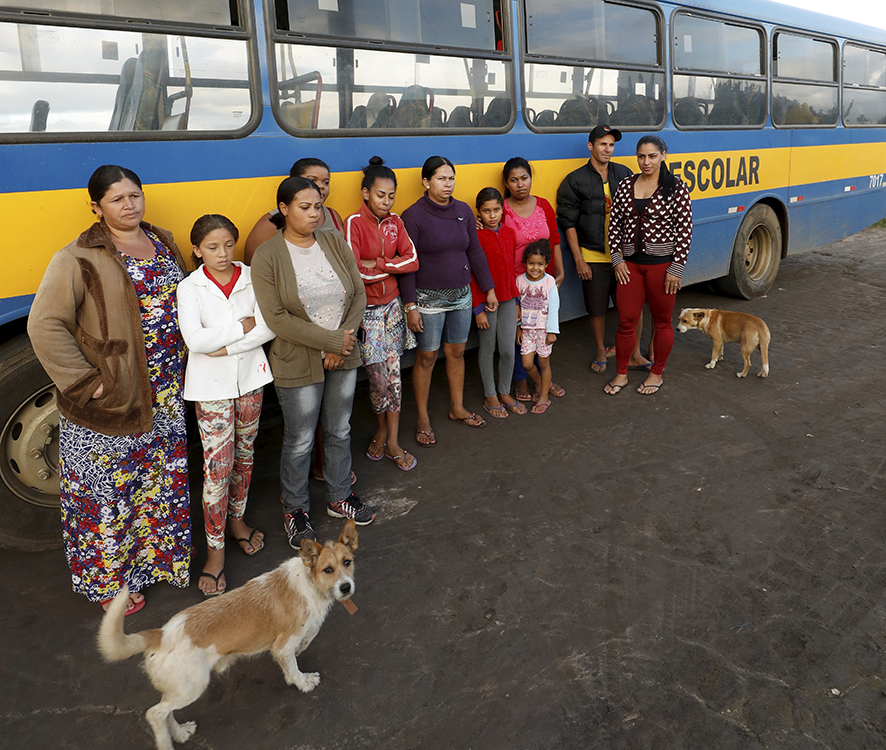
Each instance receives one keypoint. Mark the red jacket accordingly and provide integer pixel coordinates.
(386, 242)
(499, 248)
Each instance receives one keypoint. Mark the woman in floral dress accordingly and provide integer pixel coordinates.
(105, 328)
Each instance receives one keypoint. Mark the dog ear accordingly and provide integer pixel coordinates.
(348, 536)
(309, 552)
(699, 316)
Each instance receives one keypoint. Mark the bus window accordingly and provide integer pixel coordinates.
(804, 88)
(591, 63)
(213, 12)
(389, 65)
(864, 86)
(76, 79)
(735, 96)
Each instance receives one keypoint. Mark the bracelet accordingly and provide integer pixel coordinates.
(410, 307)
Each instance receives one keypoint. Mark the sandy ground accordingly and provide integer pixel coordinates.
(699, 569)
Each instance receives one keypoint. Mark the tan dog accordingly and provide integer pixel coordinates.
(724, 326)
(280, 611)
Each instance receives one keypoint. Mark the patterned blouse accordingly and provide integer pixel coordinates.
(666, 225)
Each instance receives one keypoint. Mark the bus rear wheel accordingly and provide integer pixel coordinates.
(756, 254)
(29, 486)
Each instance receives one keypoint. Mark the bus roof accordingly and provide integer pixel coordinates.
(787, 15)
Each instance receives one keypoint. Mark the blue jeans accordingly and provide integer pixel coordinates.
(330, 404)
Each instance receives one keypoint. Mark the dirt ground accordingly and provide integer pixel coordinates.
(704, 568)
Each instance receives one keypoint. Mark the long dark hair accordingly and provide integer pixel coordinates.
(206, 224)
(105, 176)
(515, 162)
(432, 164)
(666, 181)
(286, 192)
(376, 170)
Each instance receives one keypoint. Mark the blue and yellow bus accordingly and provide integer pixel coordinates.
(775, 119)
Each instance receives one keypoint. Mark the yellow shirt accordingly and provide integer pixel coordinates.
(601, 256)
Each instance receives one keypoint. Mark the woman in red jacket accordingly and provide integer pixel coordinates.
(383, 249)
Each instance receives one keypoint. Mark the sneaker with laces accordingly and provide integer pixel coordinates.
(298, 527)
(352, 507)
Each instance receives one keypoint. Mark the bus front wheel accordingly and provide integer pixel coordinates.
(756, 254)
(29, 489)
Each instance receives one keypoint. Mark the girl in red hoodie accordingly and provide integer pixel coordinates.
(383, 249)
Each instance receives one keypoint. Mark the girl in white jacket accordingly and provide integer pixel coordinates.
(226, 374)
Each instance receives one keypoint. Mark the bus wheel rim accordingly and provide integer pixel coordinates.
(758, 253)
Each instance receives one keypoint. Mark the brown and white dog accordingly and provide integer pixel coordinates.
(280, 611)
(725, 326)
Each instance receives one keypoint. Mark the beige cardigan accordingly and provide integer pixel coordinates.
(295, 353)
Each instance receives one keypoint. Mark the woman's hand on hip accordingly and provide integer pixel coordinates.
(672, 283)
(332, 361)
(622, 273)
(413, 321)
(348, 344)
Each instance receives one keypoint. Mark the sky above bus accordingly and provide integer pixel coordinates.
(871, 12)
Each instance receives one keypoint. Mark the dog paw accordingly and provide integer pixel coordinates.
(741, 374)
(711, 365)
(307, 681)
(762, 374)
(184, 732)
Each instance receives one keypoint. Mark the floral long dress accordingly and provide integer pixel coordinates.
(124, 499)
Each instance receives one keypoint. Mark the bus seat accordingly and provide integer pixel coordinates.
(413, 110)
(357, 119)
(547, 118)
(635, 110)
(299, 114)
(379, 110)
(689, 111)
(143, 95)
(460, 118)
(583, 111)
(127, 73)
(498, 113)
(39, 115)
(726, 113)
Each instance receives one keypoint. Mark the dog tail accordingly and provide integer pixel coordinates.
(113, 643)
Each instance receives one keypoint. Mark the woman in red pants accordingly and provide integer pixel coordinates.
(650, 231)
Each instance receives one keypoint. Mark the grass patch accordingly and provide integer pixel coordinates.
(881, 224)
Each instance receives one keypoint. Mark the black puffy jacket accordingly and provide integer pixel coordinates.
(581, 202)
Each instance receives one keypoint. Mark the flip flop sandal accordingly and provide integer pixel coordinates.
(468, 420)
(516, 408)
(656, 387)
(429, 434)
(556, 390)
(523, 396)
(499, 412)
(248, 540)
(204, 574)
(378, 457)
(136, 606)
(615, 389)
(540, 408)
(410, 465)
(641, 368)
(601, 366)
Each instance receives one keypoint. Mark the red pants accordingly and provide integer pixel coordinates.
(647, 284)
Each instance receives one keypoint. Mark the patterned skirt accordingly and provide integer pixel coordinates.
(385, 332)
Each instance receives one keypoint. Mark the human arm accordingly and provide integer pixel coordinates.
(405, 258)
(360, 243)
(519, 325)
(582, 267)
(263, 230)
(406, 282)
(477, 262)
(200, 338)
(553, 323)
(617, 216)
(681, 211)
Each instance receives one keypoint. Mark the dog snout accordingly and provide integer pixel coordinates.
(345, 589)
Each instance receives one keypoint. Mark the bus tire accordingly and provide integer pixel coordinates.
(756, 254)
(29, 486)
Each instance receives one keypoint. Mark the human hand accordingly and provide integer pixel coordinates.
(622, 274)
(583, 268)
(348, 344)
(519, 335)
(491, 301)
(332, 361)
(559, 278)
(218, 352)
(99, 392)
(248, 323)
(550, 338)
(672, 283)
(479, 223)
(369, 263)
(482, 321)
(413, 320)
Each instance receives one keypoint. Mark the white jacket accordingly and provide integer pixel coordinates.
(209, 322)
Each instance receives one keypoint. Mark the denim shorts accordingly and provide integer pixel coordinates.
(450, 327)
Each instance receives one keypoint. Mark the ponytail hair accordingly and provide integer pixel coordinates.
(287, 192)
(666, 181)
(376, 170)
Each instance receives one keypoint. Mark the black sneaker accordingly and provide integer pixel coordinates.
(297, 526)
(351, 507)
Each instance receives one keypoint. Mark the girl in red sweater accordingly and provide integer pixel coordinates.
(383, 250)
(499, 245)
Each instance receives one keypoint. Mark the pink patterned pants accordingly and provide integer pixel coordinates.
(227, 428)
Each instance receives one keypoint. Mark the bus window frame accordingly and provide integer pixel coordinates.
(525, 58)
(673, 70)
(246, 32)
(274, 36)
(836, 84)
(857, 87)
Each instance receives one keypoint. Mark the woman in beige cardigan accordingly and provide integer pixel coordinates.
(311, 295)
